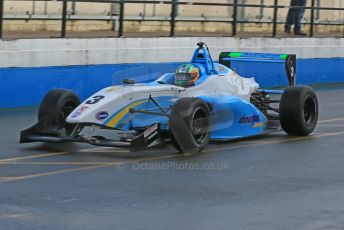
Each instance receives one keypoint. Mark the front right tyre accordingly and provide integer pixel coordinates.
(190, 125)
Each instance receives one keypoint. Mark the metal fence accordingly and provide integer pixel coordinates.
(173, 18)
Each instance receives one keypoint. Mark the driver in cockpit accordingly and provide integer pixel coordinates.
(187, 75)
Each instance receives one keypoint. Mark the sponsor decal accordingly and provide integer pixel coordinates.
(220, 69)
(102, 115)
(292, 71)
(249, 119)
(260, 124)
(112, 89)
(182, 70)
(260, 55)
(153, 135)
(79, 111)
(152, 130)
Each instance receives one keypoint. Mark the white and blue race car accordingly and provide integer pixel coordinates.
(216, 105)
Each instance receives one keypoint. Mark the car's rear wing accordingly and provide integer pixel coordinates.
(289, 60)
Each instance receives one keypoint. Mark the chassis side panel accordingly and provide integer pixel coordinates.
(234, 118)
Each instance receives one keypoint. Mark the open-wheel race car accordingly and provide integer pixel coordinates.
(201, 101)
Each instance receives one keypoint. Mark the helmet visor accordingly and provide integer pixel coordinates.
(184, 77)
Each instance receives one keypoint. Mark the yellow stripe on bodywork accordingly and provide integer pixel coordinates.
(114, 121)
(258, 125)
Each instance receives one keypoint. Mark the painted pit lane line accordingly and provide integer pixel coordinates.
(94, 165)
(250, 142)
(100, 149)
(285, 140)
(106, 149)
(86, 168)
(51, 163)
(331, 120)
(121, 164)
(330, 125)
(32, 156)
(56, 154)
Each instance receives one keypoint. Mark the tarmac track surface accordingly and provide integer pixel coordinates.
(268, 182)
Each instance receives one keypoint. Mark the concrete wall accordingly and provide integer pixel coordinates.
(30, 68)
(66, 52)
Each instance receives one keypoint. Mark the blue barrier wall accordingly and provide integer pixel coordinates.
(27, 86)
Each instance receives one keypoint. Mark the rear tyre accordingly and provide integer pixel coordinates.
(190, 125)
(299, 110)
(56, 106)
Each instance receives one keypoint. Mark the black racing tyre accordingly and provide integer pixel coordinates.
(190, 125)
(56, 106)
(299, 110)
(175, 143)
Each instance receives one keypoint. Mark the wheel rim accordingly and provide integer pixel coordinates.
(64, 112)
(199, 126)
(309, 110)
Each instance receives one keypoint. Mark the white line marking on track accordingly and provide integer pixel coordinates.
(33, 156)
(67, 201)
(101, 164)
(105, 149)
(278, 141)
(331, 120)
(6, 177)
(85, 168)
(52, 163)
